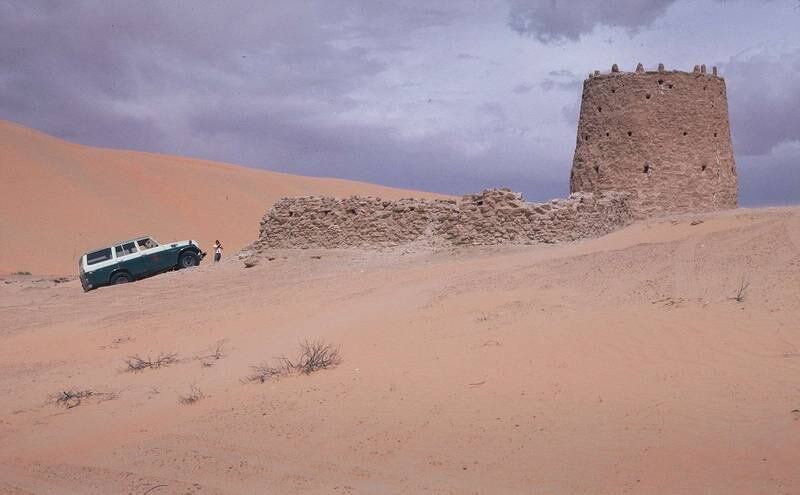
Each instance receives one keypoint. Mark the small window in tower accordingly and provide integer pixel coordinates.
(597, 168)
(715, 134)
(647, 96)
(685, 133)
(660, 82)
(599, 109)
(630, 134)
(703, 167)
(646, 168)
(670, 86)
(704, 88)
(585, 137)
(613, 90)
(608, 134)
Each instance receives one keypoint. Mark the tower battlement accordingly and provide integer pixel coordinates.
(640, 69)
(663, 136)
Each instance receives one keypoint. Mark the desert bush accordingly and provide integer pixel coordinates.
(194, 395)
(316, 355)
(137, 363)
(313, 356)
(264, 371)
(73, 397)
(215, 353)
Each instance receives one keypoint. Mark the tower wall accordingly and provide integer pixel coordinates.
(663, 137)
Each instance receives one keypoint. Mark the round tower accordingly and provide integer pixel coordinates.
(661, 136)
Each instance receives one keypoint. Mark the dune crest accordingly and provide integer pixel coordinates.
(63, 198)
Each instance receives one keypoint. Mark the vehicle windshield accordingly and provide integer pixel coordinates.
(146, 243)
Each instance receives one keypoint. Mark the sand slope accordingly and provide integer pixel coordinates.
(64, 198)
(616, 365)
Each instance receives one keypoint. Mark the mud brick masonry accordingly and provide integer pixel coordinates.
(496, 216)
(649, 143)
(661, 136)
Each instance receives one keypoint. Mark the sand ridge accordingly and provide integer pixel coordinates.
(60, 199)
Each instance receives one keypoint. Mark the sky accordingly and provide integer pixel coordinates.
(447, 96)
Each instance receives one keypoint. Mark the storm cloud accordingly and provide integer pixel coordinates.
(553, 20)
(436, 95)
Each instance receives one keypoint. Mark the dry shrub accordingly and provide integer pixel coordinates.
(73, 397)
(264, 371)
(742, 292)
(215, 353)
(314, 355)
(194, 395)
(137, 363)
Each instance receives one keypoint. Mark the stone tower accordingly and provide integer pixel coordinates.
(661, 136)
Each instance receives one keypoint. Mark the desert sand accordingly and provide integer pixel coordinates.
(622, 364)
(61, 199)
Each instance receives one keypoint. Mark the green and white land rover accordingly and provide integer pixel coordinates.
(135, 259)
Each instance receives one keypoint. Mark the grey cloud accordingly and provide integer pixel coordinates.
(764, 98)
(342, 88)
(522, 88)
(563, 79)
(570, 114)
(562, 73)
(103, 75)
(555, 20)
(771, 179)
(550, 84)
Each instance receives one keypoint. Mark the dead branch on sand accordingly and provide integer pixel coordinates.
(742, 292)
(216, 352)
(137, 363)
(313, 356)
(73, 397)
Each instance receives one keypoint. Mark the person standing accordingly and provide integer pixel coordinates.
(217, 251)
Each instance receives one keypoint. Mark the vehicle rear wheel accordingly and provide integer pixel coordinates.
(121, 278)
(188, 260)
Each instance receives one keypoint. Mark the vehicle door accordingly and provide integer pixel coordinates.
(155, 258)
(129, 258)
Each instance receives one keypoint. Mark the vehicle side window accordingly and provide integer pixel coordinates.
(98, 256)
(146, 244)
(125, 249)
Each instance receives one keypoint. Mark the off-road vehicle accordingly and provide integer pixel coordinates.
(138, 258)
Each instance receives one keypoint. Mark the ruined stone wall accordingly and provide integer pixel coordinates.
(496, 216)
(661, 136)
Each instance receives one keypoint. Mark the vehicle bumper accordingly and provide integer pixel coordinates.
(85, 283)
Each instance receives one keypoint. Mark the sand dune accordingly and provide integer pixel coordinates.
(59, 199)
(617, 365)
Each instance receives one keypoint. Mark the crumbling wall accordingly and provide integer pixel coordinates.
(495, 216)
(662, 136)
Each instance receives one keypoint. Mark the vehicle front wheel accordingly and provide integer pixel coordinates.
(121, 278)
(188, 260)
